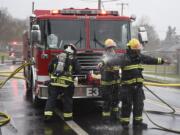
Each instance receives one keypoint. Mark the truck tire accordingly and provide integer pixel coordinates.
(29, 85)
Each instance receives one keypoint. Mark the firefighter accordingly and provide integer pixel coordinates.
(61, 69)
(110, 80)
(132, 94)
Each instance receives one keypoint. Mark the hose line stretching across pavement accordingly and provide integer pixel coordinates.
(159, 127)
(4, 118)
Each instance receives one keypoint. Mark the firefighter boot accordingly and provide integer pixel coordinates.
(125, 125)
(115, 116)
(106, 120)
(48, 115)
(47, 118)
(140, 125)
(124, 122)
(106, 115)
(68, 116)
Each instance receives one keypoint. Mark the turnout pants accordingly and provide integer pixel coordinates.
(67, 100)
(110, 95)
(132, 96)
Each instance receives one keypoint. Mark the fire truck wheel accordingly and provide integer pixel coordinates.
(29, 85)
(28, 90)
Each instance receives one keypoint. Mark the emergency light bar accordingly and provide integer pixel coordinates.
(55, 11)
(84, 12)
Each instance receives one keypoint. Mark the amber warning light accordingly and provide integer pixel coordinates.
(55, 11)
(103, 12)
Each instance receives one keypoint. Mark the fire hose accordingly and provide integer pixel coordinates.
(162, 84)
(6, 74)
(5, 118)
(159, 127)
(2, 83)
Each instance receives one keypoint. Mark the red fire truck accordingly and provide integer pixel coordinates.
(87, 28)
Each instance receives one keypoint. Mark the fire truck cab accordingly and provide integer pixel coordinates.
(87, 28)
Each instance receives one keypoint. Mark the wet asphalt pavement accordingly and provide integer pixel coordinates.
(26, 119)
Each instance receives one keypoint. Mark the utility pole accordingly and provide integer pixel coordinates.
(99, 4)
(33, 7)
(122, 7)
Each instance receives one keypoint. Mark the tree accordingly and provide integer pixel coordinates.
(10, 28)
(171, 37)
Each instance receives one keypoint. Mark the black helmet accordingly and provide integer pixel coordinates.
(73, 47)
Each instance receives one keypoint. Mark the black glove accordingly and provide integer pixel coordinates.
(166, 61)
(58, 73)
(47, 82)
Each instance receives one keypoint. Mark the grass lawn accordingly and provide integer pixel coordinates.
(168, 78)
(167, 73)
(160, 68)
(3, 54)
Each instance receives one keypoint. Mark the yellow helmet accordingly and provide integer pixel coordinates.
(134, 44)
(109, 43)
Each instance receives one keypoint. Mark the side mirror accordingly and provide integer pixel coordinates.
(133, 17)
(35, 34)
(142, 35)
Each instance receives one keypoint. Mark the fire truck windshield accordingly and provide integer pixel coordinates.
(117, 30)
(57, 33)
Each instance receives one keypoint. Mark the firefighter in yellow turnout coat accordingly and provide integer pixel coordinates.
(61, 70)
(132, 94)
(110, 80)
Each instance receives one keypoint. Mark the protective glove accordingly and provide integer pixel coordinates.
(47, 82)
(96, 76)
(58, 73)
(100, 65)
(166, 61)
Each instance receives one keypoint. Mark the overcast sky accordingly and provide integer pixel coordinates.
(161, 13)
